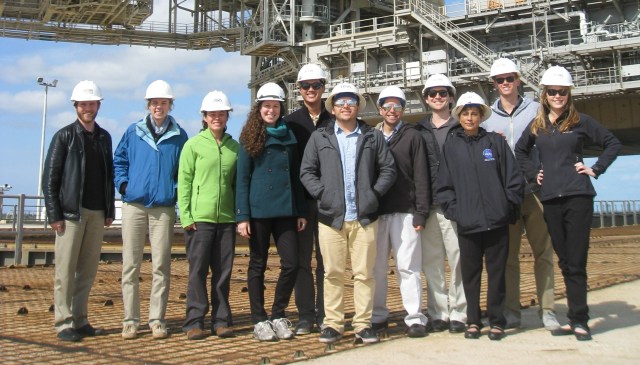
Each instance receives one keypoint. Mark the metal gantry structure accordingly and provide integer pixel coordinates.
(376, 43)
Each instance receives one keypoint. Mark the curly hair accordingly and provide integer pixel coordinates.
(567, 120)
(254, 133)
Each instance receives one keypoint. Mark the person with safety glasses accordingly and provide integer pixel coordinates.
(511, 115)
(560, 133)
(347, 207)
(446, 307)
(302, 122)
(403, 212)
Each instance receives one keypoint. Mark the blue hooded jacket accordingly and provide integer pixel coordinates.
(149, 168)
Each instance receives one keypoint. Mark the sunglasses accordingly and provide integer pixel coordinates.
(306, 85)
(554, 92)
(395, 107)
(501, 80)
(442, 93)
(345, 102)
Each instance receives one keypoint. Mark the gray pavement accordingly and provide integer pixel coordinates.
(615, 324)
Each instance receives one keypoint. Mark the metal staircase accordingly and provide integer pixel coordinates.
(428, 15)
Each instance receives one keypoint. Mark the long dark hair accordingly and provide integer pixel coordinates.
(254, 133)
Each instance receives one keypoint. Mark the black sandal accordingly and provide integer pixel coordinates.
(496, 333)
(473, 332)
(562, 331)
(582, 336)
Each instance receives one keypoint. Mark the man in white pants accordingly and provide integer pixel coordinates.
(403, 212)
(447, 308)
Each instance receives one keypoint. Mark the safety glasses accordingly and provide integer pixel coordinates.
(306, 85)
(390, 106)
(345, 102)
(501, 80)
(442, 93)
(554, 92)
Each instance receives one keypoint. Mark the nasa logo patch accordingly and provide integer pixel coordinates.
(488, 154)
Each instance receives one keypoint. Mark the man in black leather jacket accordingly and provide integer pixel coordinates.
(79, 197)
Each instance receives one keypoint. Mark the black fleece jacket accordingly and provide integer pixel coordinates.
(479, 185)
(559, 152)
(411, 193)
(302, 126)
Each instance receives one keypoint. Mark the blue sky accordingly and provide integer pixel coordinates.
(123, 74)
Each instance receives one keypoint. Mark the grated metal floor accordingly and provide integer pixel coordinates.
(30, 338)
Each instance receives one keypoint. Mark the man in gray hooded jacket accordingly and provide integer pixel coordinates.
(511, 114)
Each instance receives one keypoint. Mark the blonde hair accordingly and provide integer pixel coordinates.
(567, 120)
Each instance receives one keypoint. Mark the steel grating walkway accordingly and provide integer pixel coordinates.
(30, 338)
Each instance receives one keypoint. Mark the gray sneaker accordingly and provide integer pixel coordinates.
(263, 331)
(282, 327)
(303, 327)
(549, 320)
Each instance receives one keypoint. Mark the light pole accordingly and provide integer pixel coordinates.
(41, 82)
(3, 188)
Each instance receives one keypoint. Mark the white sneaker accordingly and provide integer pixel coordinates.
(282, 328)
(263, 331)
(549, 320)
(159, 331)
(129, 332)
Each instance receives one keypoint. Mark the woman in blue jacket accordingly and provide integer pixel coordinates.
(480, 188)
(146, 171)
(560, 133)
(269, 201)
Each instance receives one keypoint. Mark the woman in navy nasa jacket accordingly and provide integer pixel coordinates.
(479, 187)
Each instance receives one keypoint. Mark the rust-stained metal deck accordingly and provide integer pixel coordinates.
(30, 338)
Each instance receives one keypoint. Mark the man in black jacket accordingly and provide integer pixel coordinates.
(304, 121)
(446, 304)
(79, 197)
(403, 213)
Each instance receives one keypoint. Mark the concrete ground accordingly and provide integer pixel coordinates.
(615, 324)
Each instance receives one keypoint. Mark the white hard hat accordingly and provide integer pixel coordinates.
(345, 88)
(503, 66)
(86, 90)
(311, 71)
(438, 80)
(392, 92)
(159, 89)
(270, 91)
(471, 99)
(214, 101)
(557, 76)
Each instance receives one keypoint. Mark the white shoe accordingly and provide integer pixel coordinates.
(129, 332)
(282, 328)
(549, 320)
(263, 331)
(159, 331)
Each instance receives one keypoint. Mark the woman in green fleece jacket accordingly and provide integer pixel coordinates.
(206, 199)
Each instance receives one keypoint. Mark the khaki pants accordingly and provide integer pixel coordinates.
(77, 254)
(136, 219)
(439, 242)
(538, 236)
(359, 243)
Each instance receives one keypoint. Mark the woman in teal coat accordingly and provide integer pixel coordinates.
(206, 185)
(270, 201)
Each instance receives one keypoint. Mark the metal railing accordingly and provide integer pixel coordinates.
(19, 216)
